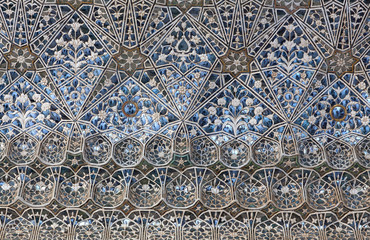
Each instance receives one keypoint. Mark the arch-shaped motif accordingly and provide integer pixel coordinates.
(203, 151)
(38, 191)
(321, 195)
(9, 189)
(53, 149)
(128, 152)
(269, 230)
(125, 229)
(89, 229)
(251, 193)
(304, 231)
(216, 193)
(23, 149)
(158, 150)
(340, 155)
(109, 192)
(287, 193)
(362, 150)
(180, 192)
(97, 149)
(53, 228)
(196, 230)
(339, 230)
(73, 191)
(18, 229)
(266, 152)
(234, 154)
(232, 230)
(145, 193)
(310, 152)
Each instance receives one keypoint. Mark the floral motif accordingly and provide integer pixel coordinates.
(184, 119)
(184, 4)
(21, 59)
(130, 60)
(341, 62)
(74, 3)
(292, 5)
(236, 62)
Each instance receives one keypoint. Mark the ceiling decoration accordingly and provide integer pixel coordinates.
(185, 119)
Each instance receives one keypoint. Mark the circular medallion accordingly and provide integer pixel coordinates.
(130, 108)
(338, 112)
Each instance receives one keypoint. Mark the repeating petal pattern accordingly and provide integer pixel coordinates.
(185, 119)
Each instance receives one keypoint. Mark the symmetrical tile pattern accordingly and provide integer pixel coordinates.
(185, 119)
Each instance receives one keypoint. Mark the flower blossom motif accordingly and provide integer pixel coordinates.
(21, 59)
(289, 45)
(130, 60)
(184, 5)
(341, 63)
(312, 119)
(74, 3)
(23, 98)
(221, 101)
(45, 106)
(236, 62)
(36, 97)
(212, 110)
(365, 120)
(235, 102)
(291, 5)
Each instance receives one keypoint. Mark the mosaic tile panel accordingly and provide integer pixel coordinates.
(185, 119)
